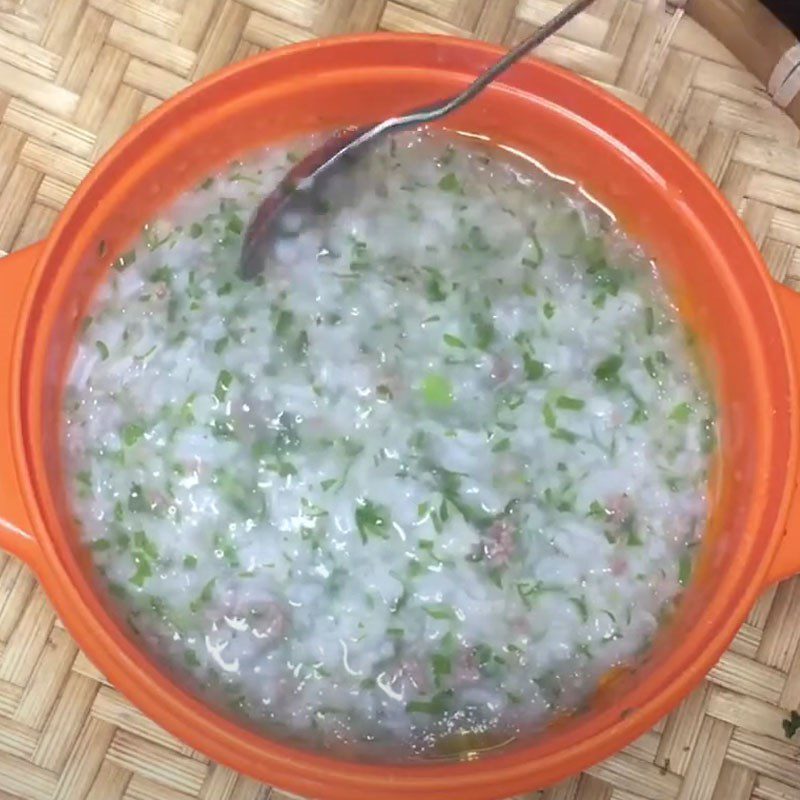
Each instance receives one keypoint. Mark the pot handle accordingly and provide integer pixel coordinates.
(16, 530)
(786, 562)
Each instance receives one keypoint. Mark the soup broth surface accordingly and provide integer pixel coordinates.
(420, 486)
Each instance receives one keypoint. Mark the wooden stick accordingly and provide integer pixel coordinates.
(759, 40)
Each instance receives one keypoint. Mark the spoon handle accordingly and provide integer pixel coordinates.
(543, 32)
(421, 116)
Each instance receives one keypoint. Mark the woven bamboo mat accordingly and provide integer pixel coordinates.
(75, 74)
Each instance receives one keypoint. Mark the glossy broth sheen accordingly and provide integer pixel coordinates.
(417, 489)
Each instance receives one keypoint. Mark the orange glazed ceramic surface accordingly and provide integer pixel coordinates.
(748, 327)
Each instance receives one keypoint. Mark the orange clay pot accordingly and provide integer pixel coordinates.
(748, 327)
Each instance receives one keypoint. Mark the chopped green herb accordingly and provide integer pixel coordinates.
(437, 706)
(434, 288)
(440, 611)
(300, 348)
(204, 598)
(681, 412)
(527, 591)
(484, 331)
(598, 511)
(225, 549)
(372, 519)
(549, 416)
(284, 323)
(195, 230)
(685, 569)
(285, 469)
(441, 664)
(649, 321)
(224, 380)
(502, 446)
(102, 348)
(581, 605)
(476, 240)
(538, 254)
(548, 309)
(450, 183)
(142, 543)
(162, 274)
(564, 435)
(453, 341)
(634, 540)
(190, 561)
(143, 570)
(437, 390)
(186, 412)
(137, 500)
(570, 403)
(708, 436)
(608, 369)
(606, 278)
(191, 659)
(235, 225)
(125, 260)
(99, 545)
(131, 433)
(534, 369)
(496, 577)
(221, 344)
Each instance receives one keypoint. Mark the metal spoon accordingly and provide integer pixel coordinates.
(297, 194)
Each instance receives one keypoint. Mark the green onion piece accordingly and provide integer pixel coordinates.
(453, 341)
(439, 611)
(681, 412)
(570, 403)
(437, 390)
